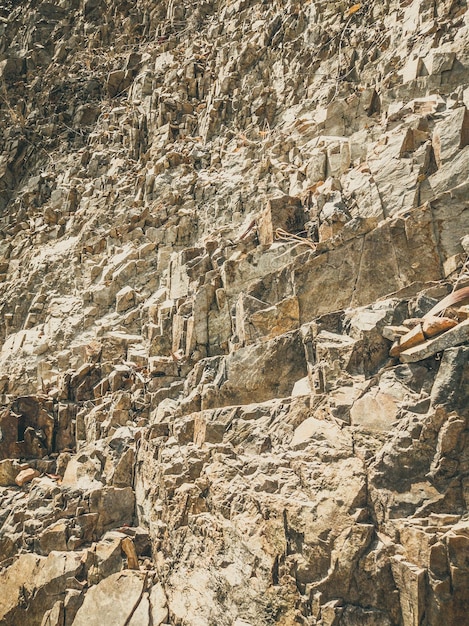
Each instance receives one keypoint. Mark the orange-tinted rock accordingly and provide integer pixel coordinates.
(413, 338)
(433, 325)
(128, 548)
(26, 476)
(452, 337)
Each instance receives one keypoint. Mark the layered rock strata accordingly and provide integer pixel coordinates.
(225, 397)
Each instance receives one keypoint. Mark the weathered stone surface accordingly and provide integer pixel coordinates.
(352, 275)
(33, 583)
(54, 537)
(450, 388)
(285, 213)
(125, 299)
(27, 428)
(26, 476)
(114, 506)
(214, 219)
(117, 597)
(9, 470)
(410, 581)
(375, 411)
(433, 326)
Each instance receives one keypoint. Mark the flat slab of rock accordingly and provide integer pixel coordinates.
(453, 337)
(115, 597)
(33, 583)
(375, 411)
(121, 600)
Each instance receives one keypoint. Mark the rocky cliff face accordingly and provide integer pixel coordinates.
(234, 336)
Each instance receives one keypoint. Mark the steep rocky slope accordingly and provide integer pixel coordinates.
(217, 220)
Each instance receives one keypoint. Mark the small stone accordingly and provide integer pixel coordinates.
(118, 81)
(26, 476)
(128, 548)
(462, 312)
(9, 470)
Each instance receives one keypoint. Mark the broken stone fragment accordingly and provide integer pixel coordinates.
(33, 584)
(55, 616)
(27, 428)
(276, 320)
(128, 548)
(429, 327)
(410, 580)
(452, 337)
(26, 476)
(116, 598)
(115, 506)
(104, 558)
(451, 135)
(462, 312)
(433, 326)
(118, 81)
(375, 411)
(125, 299)
(54, 537)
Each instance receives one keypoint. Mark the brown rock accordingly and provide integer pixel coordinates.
(433, 326)
(9, 470)
(462, 312)
(118, 81)
(125, 299)
(453, 337)
(26, 476)
(451, 134)
(284, 212)
(32, 585)
(114, 599)
(374, 411)
(410, 580)
(413, 338)
(276, 320)
(54, 537)
(128, 548)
